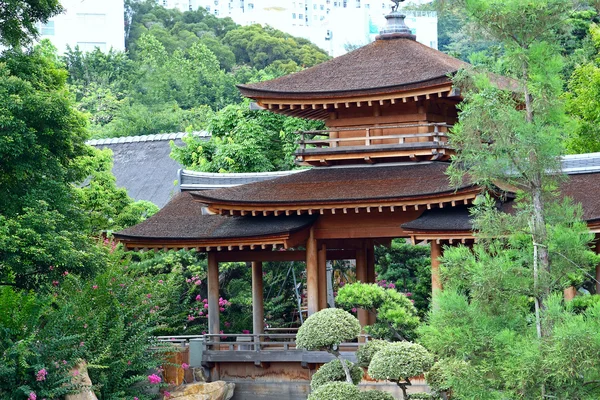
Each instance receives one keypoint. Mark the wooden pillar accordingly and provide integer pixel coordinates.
(214, 325)
(322, 261)
(371, 273)
(570, 293)
(312, 274)
(436, 253)
(258, 308)
(361, 275)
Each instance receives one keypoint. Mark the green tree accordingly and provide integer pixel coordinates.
(19, 19)
(41, 227)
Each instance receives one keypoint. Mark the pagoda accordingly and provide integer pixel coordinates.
(378, 173)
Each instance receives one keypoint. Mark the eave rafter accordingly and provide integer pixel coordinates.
(421, 204)
(320, 108)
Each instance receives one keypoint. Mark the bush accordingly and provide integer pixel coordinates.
(333, 372)
(399, 361)
(421, 396)
(376, 395)
(326, 329)
(366, 352)
(336, 391)
(436, 377)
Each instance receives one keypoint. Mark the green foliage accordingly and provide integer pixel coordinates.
(400, 361)
(19, 19)
(437, 378)
(333, 372)
(421, 396)
(408, 269)
(244, 141)
(365, 353)
(376, 395)
(581, 303)
(326, 329)
(396, 315)
(336, 391)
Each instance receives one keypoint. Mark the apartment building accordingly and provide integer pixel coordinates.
(87, 24)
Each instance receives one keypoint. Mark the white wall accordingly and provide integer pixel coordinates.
(87, 24)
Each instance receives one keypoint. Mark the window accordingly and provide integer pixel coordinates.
(314, 6)
(300, 16)
(208, 8)
(322, 7)
(250, 6)
(47, 29)
(293, 15)
(367, 6)
(217, 12)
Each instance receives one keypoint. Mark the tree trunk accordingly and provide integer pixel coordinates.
(337, 354)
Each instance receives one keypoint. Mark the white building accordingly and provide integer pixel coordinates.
(333, 25)
(87, 24)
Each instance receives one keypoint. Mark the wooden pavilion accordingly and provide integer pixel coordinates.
(378, 173)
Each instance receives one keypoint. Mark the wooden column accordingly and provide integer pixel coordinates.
(436, 282)
(258, 308)
(312, 274)
(570, 293)
(214, 325)
(371, 273)
(322, 261)
(361, 275)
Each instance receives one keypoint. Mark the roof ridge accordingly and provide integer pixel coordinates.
(146, 138)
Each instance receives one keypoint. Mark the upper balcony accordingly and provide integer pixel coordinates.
(375, 144)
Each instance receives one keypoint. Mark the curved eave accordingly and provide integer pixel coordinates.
(462, 196)
(282, 240)
(320, 105)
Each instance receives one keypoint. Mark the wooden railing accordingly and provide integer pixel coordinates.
(331, 140)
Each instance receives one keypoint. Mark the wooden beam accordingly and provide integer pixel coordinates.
(312, 274)
(436, 253)
(214, 325)
(361, 276)
(279, 256)
(322, 259)
(258, 308)
(371, 272)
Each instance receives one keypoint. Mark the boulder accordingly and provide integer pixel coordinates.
(80, 377)
(203, 391)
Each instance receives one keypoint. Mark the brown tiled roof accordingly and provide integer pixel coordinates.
(182, 219)
(380, 67)
(340, 185)
(582, 188)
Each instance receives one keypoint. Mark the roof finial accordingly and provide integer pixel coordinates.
(396, 28)
(395, 8)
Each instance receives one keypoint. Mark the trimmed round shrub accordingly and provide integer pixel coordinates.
(376, 395)
(327, 328)
(333, 372)
(365, 353)
(421, 396)
(401, 360)
(436, 377)
(336, 391)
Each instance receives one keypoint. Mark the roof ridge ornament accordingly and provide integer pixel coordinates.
(396, 27)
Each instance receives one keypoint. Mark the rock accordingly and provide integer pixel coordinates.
(81, 377)
(203, 391)
(199, 374)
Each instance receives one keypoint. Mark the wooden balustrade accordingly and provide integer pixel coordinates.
(332, 140)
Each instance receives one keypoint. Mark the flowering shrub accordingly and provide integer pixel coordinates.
(336, 391)
(333, 372)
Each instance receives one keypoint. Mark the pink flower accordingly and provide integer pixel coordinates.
(185, 366)
(149, 296)
(198, 283)
(221, 309)
(198, 298)
(188, 280)
(95, 287)
(246, 332)
(32, 396)
(85, 326)
(64, 362)
(154, 379)
(128, 362)
(81, 344)
(200, 313)
(41, 375)
(190, 317)
(408, 294)
(167, 394)
(75, 372)
(205, 301)
(135, 398)
(227, 324)
(160, 281)
(66, 273)
(55, 283)
(51, 268)
(205, 305)
(354, 309)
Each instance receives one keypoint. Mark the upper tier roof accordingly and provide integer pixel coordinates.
(384, 66)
